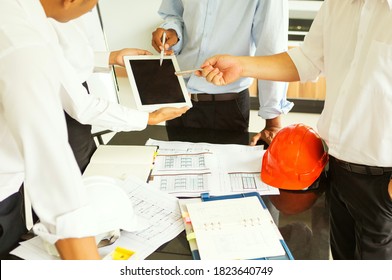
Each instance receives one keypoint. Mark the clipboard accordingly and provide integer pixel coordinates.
(205, 197)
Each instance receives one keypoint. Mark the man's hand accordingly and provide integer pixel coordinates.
(117, 57)
(272, 127)
(165, 114)
(221, 69)
(171, 40)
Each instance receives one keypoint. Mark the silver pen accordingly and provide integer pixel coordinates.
(187, 72)
(163, 49)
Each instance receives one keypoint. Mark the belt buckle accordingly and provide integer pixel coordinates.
(194, 97)
(348, 166)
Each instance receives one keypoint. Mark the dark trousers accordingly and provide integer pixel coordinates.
(220, 115)
(12, 222)
(360, 214)
(81, 140)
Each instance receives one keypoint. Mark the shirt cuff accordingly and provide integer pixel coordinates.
(273, 112)
(138, 119)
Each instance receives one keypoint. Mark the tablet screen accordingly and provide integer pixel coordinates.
(156, 84)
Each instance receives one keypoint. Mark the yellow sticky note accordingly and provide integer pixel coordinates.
(122, 254)
(190, 236)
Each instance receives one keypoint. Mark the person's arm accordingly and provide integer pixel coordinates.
(164, 114)
(304, 63)
(270, 33)
(225, 69)
(88, 109)
(78, 249)
(171, 12)
(117, 57)
(104, 59)
(272, 127)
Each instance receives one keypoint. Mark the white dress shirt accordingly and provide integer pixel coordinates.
(36, 83)
(77, 46)
(82, 60)
(253, 27)
(350, 42)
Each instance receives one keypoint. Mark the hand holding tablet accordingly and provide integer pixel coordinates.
(155, 86)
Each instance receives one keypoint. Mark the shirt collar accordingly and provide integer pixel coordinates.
(389, 2)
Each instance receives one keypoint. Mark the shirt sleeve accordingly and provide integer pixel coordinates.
(89, 109)
(101, 61)
(270, 34)
(309, 57)
(171, 12)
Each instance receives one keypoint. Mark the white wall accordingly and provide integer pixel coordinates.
(129, 23)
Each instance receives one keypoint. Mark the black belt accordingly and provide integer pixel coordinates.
(362, 169)
(215, 97)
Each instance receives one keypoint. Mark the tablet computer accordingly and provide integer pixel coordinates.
(155, 86)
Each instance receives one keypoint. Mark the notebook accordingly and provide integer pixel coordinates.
(121, 161)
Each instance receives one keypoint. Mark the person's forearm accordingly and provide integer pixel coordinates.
(78, 249)
(113, 57)
(277, 67)
(275, 122)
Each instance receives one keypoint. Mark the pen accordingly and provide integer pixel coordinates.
(163, 48)
(186, 72)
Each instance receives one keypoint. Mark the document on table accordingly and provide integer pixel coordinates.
(121, 161)
(232, 229)
(188, 169)
(161, 210)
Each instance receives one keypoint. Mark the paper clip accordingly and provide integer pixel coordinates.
(122, 254)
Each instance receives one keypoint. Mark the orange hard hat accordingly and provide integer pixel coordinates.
(294, 159)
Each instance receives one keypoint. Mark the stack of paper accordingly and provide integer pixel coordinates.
(188, 169)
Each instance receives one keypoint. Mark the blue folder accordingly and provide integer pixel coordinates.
(206, 197)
